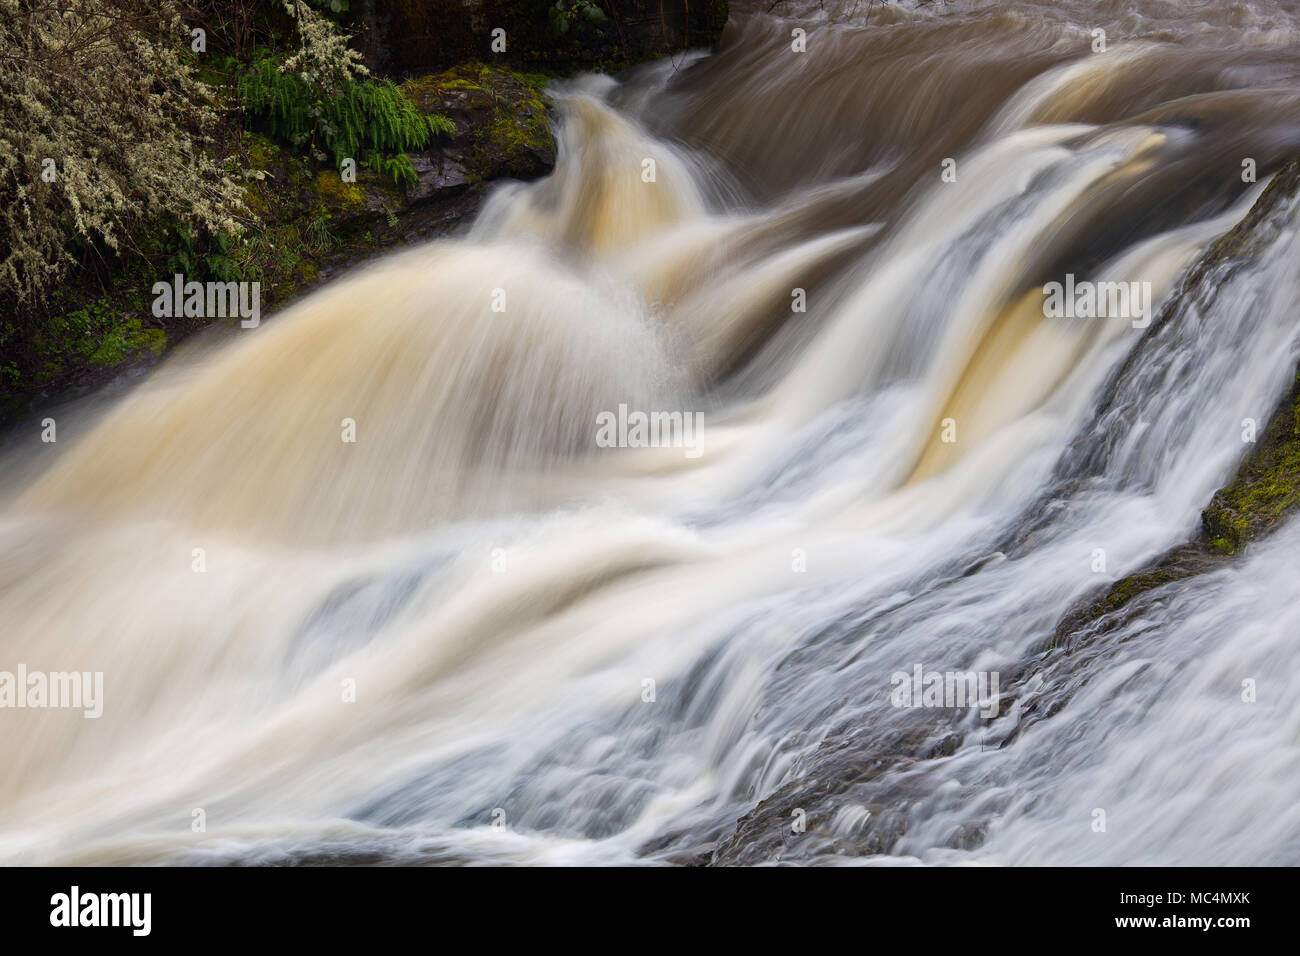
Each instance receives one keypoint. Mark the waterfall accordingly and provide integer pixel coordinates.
(367, 583)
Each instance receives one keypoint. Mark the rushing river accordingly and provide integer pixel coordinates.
(474, 635)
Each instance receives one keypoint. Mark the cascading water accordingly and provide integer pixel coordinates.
(474, 616)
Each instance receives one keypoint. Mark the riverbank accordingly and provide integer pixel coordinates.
(302, 220)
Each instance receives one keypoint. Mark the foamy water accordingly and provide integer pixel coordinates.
(475, 635)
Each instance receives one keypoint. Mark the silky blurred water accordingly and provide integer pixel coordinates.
(475, 636)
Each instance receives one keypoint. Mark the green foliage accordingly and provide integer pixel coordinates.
(103, 132)
(87, 324)
(566, 13)
(441, 125)
(97, 334)
(370, 121)
(214, 261)
(320, 238)
(399, 167)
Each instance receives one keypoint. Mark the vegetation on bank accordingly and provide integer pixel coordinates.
(366, 122)
(124, 162)
(219, 138)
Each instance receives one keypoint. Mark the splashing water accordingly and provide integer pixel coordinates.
(472, 615)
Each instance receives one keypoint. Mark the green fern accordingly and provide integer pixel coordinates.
(441, 125)
(398, 166)
(370, 121)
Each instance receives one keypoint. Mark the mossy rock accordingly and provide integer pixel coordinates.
(501, 129)
(81, 346)
(262, 152)
(126, 339)
(1266, 486)
(1184, 561)
(501, 117)
(337, 195)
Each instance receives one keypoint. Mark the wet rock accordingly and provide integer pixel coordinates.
(501, 128)
(406, 37)
(856, 790)
(436, 177)
(1266, 486)
(1264, 491)
(502, 123)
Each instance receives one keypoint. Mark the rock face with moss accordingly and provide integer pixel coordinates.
(488, 120)
(501, 129)
(311, 223)
(502, 125)
(1266, 487)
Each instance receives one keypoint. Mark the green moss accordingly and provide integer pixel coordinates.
(503, 124)
(1256, 231)
(255, 199)
(263, 153)
(1125, 589)
(536, 81)
(102, 334)
(420, 88)
(331, 187)
(125, 339)
(1266, 487)
(514, 137)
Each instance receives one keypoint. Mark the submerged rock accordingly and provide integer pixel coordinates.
(1266, 486)
(854, 793)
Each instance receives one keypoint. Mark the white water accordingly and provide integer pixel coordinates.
(497, 589)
